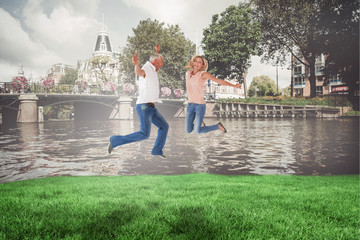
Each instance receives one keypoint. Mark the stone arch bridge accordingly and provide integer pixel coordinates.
(29, 107)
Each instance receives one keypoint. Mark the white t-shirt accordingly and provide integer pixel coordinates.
(149, 86)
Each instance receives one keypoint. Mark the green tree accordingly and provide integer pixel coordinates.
(342, 44)
(229, 42)
(174, 47)
(69, 77)
(295, 26)
(101, 68)
(262, 86)
(286, 91)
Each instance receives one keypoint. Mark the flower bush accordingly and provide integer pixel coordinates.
(165, 92)
(47, 83)
(81, 85)
(109, 86)
(129, 88)
(178, 93)
(19, 83)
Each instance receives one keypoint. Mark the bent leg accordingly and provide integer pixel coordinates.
(199, 118)
(159, 121)
(145, 127)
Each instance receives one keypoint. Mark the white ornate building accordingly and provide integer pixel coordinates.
(220, 91)
(104, 64)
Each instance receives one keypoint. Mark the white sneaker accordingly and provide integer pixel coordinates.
(162, 156)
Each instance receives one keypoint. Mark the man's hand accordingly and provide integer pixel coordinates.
(138, 71)
(157, 48)
(135, 59)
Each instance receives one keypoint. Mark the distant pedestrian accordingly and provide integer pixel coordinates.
(145, 106)
(196, 107)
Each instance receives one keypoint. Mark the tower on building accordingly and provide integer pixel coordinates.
(102, 46)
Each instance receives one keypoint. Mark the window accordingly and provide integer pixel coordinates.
(319, 78)
(334, 79)
(299, 81)
(298, 92)
(319, 58)
(319, 90)
(297, 70)
(319, 70)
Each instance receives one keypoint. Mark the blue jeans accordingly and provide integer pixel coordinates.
(194, 117)
(147, 115)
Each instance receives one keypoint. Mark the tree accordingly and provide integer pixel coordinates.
(262, 86)
(69, 77)
(174, 47)
(342, 44)
(286, 91)
(229, 42)
(103, 72)
(297, 27)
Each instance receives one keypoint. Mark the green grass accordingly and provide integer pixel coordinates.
(352, 113)
(194, 206)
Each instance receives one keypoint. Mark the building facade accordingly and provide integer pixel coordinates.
(103, 66)
(57, 71)
(216, 91)
(300, 79)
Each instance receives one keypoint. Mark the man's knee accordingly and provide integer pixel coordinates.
(145, 135)
(165, 126)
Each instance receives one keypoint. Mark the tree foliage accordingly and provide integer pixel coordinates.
(342, 44)
(299, 27)
(69, 77)
(174, 47)
(103, 72)
(230, 40)
(262, 86)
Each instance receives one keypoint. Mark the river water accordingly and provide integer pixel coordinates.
(251, 146)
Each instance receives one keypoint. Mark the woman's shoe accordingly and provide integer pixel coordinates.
(110, 148)
(222, 126)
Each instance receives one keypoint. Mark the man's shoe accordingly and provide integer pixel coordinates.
(162, 156)
(110, 148)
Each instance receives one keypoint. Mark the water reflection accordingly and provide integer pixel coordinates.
(252, 146)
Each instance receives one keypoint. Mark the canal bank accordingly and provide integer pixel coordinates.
(238, 110)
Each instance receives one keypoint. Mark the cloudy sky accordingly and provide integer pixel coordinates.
(40, 33)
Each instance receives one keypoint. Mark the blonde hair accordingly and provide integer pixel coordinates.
(191, 63)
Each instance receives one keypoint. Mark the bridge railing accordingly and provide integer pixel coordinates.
(6, 87)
